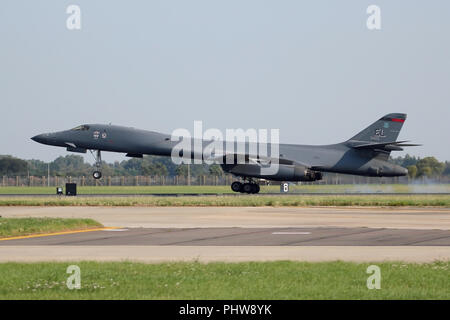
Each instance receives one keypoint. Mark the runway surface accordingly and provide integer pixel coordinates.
(244, 237)
(154, 234)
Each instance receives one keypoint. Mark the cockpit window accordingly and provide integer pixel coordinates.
(81, 128)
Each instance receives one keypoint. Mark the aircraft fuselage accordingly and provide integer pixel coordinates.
(339, 158)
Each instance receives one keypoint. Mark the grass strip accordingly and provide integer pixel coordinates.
(239, 201)
(252, 280)
(13, 227)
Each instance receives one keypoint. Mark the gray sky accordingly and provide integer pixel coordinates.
(310, 68)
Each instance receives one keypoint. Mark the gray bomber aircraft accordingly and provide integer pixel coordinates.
(364, 154)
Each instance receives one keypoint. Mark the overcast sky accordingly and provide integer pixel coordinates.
(310, 68)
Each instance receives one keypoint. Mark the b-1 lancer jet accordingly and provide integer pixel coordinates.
(364, 154)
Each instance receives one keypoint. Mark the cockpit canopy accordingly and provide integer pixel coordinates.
(81, 128)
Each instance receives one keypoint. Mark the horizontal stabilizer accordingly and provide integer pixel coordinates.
(386, 146)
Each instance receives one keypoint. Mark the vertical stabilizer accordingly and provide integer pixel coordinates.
(386, 129)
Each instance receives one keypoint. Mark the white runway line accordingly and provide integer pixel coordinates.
(291, 232)
(116, 230)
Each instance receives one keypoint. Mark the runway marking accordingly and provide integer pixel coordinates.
(291, 232)
(56, 233)
(115, 230)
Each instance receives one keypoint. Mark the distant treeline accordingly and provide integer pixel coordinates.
(428, 167)
(74, 165)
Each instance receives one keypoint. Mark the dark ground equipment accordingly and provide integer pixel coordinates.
(71, 189)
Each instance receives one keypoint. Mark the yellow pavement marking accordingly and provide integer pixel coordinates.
(56, 233)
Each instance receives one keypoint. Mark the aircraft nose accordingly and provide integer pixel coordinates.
(41, 138)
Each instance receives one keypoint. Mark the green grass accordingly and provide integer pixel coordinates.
(252, 280)
(11, 227)
(307, 188)
(236, 201)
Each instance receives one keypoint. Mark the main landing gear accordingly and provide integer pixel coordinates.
(247, 187)
(97, 174)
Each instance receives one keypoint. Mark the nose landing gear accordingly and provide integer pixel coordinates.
(247, 187)
(97, 174)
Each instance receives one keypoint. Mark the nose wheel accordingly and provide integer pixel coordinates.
(247, 187)
(97, 174)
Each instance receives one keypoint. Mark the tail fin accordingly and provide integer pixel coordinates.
(385, 129)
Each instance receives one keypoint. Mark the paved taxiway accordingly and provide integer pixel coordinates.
(154, 234)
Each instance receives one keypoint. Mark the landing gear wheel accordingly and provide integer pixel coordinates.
(255, 188)
(97, 174)
(247, 187)
(236, 186)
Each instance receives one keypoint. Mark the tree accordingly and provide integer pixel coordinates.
(426, 172)
(447, 169)
(182, 170)
(132, 166)
(70, 165)
(409, 161)
(37, 167)
(12, 166)
(405, 161)
(430, 167)
(215, 170)
(154, 169)
(412, 171)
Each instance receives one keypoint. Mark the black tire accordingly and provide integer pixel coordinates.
(247, 188)
(236, 186)
(256, 188)
(97, 174)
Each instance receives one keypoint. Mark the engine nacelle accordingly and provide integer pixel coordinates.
(285, 172)
(296, 173)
